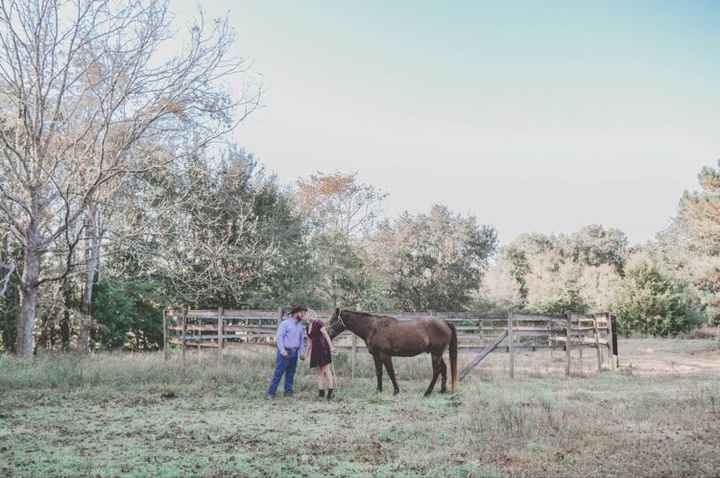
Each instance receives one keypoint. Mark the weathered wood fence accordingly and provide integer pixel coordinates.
(480, 333)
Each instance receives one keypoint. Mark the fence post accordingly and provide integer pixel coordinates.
(165, 334)
(510, 344)
(221, 332)
(609, 340)
(184, 330)
(597, 343)
(612, 338)
(568, 331)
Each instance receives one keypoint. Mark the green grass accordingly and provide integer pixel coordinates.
(135, 415)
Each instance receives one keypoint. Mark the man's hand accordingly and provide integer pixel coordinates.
(284, 353)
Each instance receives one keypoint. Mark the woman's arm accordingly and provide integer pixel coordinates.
(327, 337)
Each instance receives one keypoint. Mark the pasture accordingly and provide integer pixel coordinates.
(121, 415)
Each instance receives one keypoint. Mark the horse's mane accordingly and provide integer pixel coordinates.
(368, 315)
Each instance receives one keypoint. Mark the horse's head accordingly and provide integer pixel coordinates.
(336, 325)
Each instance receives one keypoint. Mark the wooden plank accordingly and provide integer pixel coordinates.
(198, 344)
(482, 355)
(537, 317)
(212, 329)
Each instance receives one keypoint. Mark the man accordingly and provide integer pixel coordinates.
(290, 344)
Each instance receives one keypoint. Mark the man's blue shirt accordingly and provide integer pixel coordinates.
(291, 335)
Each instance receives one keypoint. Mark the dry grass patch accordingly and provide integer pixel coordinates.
(135, 415)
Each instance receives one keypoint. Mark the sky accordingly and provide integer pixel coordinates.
(533, 118)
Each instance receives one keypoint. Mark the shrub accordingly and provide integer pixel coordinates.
(652, 303)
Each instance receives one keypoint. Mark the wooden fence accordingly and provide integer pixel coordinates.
(479, 333)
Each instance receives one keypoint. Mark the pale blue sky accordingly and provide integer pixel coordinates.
(533, 118)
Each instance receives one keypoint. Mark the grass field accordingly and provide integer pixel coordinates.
(135, 415)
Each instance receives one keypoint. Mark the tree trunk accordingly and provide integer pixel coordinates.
(29, 295)
(65, 326)
(92, 258)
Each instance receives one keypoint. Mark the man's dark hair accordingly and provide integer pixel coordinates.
(297, 309)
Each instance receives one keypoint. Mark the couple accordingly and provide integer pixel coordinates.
(290, 346)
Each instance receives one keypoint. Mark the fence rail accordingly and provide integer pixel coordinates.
(220, 328)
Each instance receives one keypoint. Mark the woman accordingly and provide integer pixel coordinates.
(320, 352)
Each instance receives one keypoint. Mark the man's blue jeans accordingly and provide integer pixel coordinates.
(286, 366)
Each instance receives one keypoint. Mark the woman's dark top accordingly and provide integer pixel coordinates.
(320, 351)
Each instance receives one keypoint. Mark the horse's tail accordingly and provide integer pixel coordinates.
(453, 357)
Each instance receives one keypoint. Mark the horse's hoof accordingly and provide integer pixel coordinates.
(426, 394)
(443, 391)
(396, 392)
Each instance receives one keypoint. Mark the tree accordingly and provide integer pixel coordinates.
(340, 213)
(434, 261)
(214, 231)
(129, 314)
(339, 204)
(84, 102)
(649, 302)
(699, 212)
(596, 245)
(578, 272)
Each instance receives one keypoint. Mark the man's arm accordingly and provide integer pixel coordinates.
(280, 338)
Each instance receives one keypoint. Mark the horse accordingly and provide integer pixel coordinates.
(387, 337)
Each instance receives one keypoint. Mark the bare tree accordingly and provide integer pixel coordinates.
(85, 101)
(338, 203)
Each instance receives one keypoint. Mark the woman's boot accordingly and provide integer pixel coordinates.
(321, 393)
(330, 393)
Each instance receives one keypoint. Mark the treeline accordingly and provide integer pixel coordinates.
(118, 197)
(218, 231)
(664, 287)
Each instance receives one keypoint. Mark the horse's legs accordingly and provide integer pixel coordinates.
(391, 372)
(443, 373)
(378, 371)
(436, 372)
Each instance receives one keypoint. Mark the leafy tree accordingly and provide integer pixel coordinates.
(339, 204)
(433, 261)
(222, 233)
(129, 315)
(578, 272)
(596, 246)
(340, 212)
(699, 212)
(651, 303)
(339, 269)
(84, 102)
(691, 247)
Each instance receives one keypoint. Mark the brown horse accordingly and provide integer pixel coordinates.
(386, 337)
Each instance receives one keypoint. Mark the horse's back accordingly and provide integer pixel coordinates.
(412, 337)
